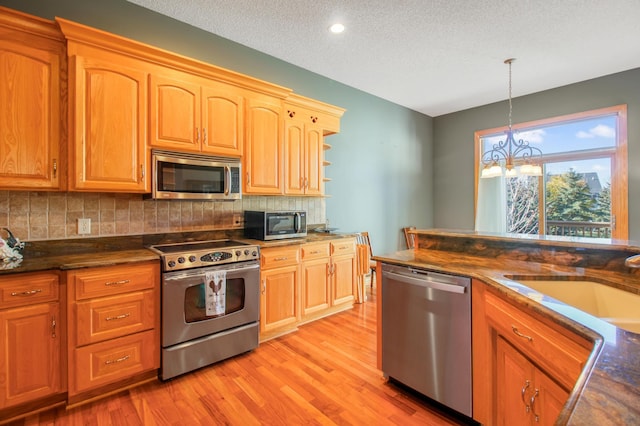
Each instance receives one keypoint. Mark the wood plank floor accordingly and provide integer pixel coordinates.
(323, 374)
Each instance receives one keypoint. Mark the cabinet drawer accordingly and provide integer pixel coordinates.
(109, 317)
(277, 257)
(27, 289)
(114, 360)
(111, 280)
(315, 251)
(561, 356)
(345, 246)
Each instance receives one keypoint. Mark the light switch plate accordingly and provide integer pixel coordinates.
(84, 226)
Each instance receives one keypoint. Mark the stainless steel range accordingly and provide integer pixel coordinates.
(210, 303)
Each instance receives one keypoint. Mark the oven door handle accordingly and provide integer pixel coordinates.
(201, 271)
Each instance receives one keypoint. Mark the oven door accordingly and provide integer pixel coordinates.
(184, 314)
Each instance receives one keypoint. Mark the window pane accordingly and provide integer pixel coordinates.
(578, 198)
(593, 133)
(522, 205)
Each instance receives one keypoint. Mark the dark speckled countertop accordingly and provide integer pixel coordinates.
(608, 391)
(92, 252)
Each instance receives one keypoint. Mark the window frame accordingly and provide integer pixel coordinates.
(619, 165)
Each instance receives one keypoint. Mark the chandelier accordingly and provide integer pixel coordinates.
(509, 152)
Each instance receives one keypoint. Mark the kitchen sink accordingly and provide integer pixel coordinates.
(618, 307)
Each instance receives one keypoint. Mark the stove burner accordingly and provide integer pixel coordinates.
(204, 253)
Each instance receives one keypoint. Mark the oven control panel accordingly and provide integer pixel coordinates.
(178, 261)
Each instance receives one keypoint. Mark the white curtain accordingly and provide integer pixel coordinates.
(491, 211)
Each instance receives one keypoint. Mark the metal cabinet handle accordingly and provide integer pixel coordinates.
(248, 178)
(533, 401)
(524, 390)
(116, 361)
(26, 293)
(117, 317)
(264, 287)
(280, 258)
(204, 135)
(121, 282)
(55, 168)
(197, 135)
(519, 334)
(142, 171)
(53, 326)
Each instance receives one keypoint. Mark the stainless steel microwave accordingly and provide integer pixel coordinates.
(267, 225)
(195, 177)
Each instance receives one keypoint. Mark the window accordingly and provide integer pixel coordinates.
(583, 190)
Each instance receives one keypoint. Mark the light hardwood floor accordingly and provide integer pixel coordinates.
(323, 374)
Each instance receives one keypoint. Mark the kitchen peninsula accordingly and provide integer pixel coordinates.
(604, 390)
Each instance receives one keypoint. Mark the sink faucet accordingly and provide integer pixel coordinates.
(632, 261)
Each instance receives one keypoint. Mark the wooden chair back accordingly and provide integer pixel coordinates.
(409, 237)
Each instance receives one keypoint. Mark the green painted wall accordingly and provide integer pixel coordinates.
(453, 136)
(381, 161)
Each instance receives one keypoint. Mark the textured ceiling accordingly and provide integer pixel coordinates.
(432, 56)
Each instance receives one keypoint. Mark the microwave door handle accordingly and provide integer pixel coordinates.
(227, 179)
(296, 222)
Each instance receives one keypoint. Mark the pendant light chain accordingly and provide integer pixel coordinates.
(509, 61)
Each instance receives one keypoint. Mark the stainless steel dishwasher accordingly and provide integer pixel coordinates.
(426, 333)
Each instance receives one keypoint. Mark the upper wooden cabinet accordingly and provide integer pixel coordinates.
(126, 97)
(193, 114)
(306, 123)
(263, 155)
(108, 115)
(108, 105)
(32, 105)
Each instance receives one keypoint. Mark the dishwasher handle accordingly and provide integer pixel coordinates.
(425, 282)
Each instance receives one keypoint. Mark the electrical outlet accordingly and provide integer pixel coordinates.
(84, 226)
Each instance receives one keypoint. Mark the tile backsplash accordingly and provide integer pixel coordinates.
(34, 216)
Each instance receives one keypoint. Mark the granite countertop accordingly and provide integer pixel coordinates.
(93, 252)
(608, 391)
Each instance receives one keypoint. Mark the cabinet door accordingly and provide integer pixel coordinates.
(313, 161)
(109, 144)
(550, 400)
(294, 157)
(30, 112)
(315, 286)
(175, 112)
(343, 270)
(514, 385)
(222, 120)
(279, 298)
(30, 363)
(263, 151)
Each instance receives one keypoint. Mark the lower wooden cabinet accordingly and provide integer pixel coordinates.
(527, 395)
(524, 365)
(301, 283)
(114, 331)
(316, 279)
(30, 334)
(279, 289)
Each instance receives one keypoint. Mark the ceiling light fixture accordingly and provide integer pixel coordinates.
(509, 152)
(336, 28)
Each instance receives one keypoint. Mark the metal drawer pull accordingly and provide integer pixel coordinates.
(524, 390)
(115, 361)
(281, 258)
(117, 317)
(117, 282)
(27, 293)
(314, 252)
(533, 401)
(519, 334)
